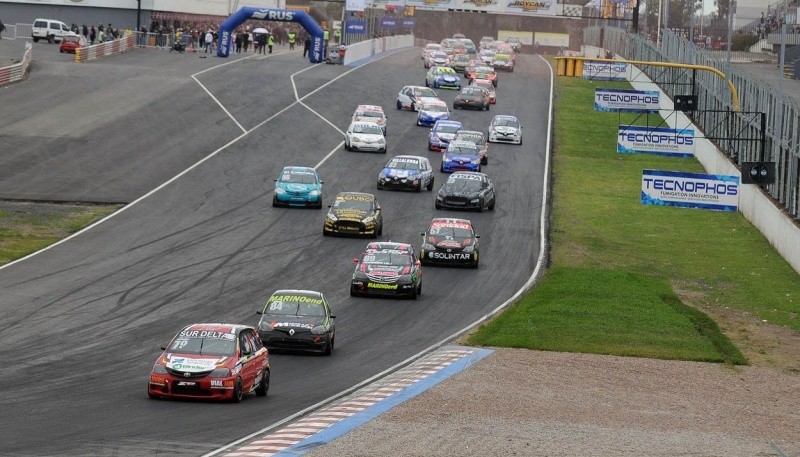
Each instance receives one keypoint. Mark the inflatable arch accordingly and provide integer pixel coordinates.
(224, 43)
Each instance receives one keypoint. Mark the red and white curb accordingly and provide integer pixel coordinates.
(277, 441)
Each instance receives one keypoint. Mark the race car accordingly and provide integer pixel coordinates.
(436, 58)
(450, 241)
(471, 66)
(354, 213)
(442, 77)
(472, 98)
(441, 133)
(503, 62)
(485, 40)
(432, 111)
(506, 129)
(412, 97)
(460, 62)
(297, 320)
(467, 190)
(469, 44)
(484, 72)
(387, 269)
(298, 186)
(486, 84)
(477, 138)
(487, 56)
(516, 45)
(364, 136)
(462, 155)
(371, 113)
(213, 361)
(406, 172)
(430, 47)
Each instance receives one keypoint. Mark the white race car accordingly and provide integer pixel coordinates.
(365, 136)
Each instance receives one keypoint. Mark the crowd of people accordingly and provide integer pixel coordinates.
(99, 34)
(773, 20)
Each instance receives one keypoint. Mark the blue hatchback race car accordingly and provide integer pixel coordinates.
(442, 133)
(461, 156)
(442, 77)
(298, 186)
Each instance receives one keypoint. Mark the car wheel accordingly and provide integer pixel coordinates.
(384, 150)
(430, 184)
(491, 205)
(151, 396)
(488, 106)
(480, 206)
(35, 39)
(413, 106)
(520, 141)
(329, 347)
(485, 160)
(419, 187)
(379, 187)
(399, 105)
(263, 386)
(353, 292)
(414, 294)
(455, 107)
(380, 229)
(275, 201)
(419, 288)
(426, 83)
(325, 233)
(238, 393)
(50, 39)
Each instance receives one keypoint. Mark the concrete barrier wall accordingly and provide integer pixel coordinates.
(779, 229)
(18, 71)
(365, 49)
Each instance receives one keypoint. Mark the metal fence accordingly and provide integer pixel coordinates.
(734, 134)
(15, 31)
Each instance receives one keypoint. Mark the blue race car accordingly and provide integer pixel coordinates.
(442, 133)
(298, 186)
(461, 156)
(444, 77)
(431, 111)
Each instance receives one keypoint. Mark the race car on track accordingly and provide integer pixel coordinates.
(505, 129)
(364, 136)
(387, 269)
(354, 213)
(430, 47)
(441, 133)
(516, 45)
(412, 97)
(487, 56)
(442, 77)
(371, 113)
(461, 156)
(479, 139)
(472, 98)
(460, 62)
(503, 62)
(436, 59)
(467, 190)
(432, 111)
(298, 186)
(213, 361)
(484, 72)
(406, 172)
(486, 84)
(297, 320)
(450, 241)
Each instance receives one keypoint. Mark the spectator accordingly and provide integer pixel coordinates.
(292, 38)
(238, 41)
(209, 38)
(2, 29)
(92, 35)
(271, 42)
(246, 40)
(306, 46)
(85, 31)
(101, 36)
(262, 43)
(202, 40)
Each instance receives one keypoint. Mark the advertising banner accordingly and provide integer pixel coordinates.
(388, 22)
(431, 4)
(605, 71)
(690, 190)
(355, 27)
(662, 141)
(634, 101)
(533, 7)
(408, 23)
(552, 39)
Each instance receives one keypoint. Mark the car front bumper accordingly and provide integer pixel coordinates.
(170, 386)
(366, 287)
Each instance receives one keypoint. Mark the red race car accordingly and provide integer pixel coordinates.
(214, 361)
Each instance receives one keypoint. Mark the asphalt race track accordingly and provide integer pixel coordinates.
(82, 321)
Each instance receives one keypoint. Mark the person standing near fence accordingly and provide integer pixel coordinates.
(271, 42)
(246, 38)
(239, 39)
(2, 29)
(306, 46)
(92, 35)
(292, 39)
(209, 38)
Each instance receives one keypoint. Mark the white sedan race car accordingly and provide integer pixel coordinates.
(412, 97)
(365, 136)
(505, 129)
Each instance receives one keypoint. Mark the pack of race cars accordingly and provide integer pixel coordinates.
(225, 361)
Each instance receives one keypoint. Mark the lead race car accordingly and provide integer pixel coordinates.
(297, 319)
(387, 269)
(450, 241)
(211, 361)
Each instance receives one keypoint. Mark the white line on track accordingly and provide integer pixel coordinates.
(199, 162)
(523, 289)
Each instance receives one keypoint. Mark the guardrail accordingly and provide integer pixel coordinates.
(364, 49)
(107, 48)
(16, 31)
(18, 71)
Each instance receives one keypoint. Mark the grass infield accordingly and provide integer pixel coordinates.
(626, 278)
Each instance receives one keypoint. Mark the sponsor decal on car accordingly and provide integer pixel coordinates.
(191, 365)
(207, 334)
(449, 255)
(291, 324)
(296, 299)
(375, 285)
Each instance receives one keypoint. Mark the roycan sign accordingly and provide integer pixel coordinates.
(633, 139)
(634, 101)
(690, 190)
(605, 71)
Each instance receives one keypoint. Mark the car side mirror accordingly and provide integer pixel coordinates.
(258, 311)
(333, 316)
(355, 260)
(164, 346)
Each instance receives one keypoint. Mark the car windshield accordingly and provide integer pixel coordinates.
(472, 91)
(295, 305)
(353, 202)
(71, 39)
(424, 92)
(436, 108)
(374, 114)
(449, 232)
(462, 149)
(505, 122)
(369, 129)
(438, 55)
(464, 181)
(461, 58)
(484, 70)
(447, 128)
(487, 85)
(217, 344)
(298, 177)
(387, 257)
(402, 163)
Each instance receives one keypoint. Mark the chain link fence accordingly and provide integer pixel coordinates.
(736, 134)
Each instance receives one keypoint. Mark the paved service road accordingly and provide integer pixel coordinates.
(83, 321)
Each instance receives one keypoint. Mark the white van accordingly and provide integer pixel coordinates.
(48, 29)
